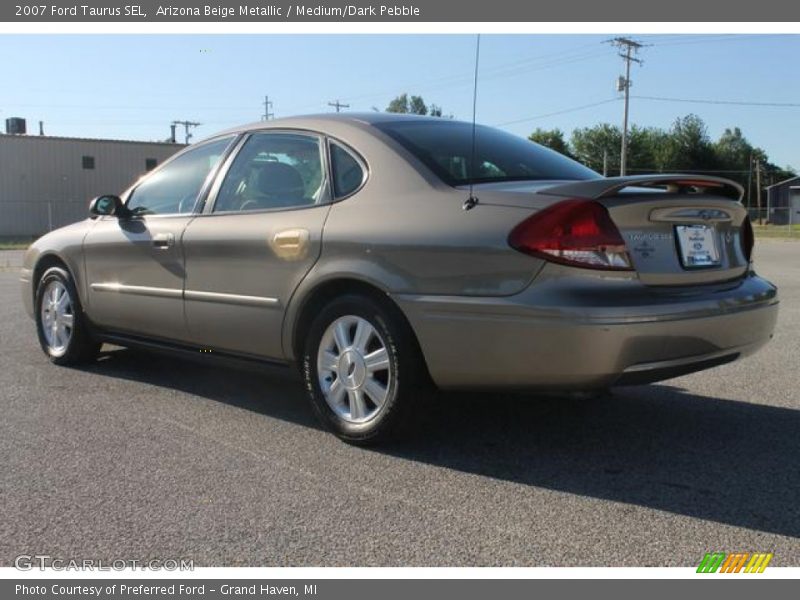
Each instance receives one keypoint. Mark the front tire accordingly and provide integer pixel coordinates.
(62, 328)
(362, 370)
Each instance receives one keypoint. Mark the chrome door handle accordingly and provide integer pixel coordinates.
(163, 241)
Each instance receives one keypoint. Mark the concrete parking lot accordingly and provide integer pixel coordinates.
(144, 456)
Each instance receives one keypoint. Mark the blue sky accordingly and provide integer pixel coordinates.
(132, 86)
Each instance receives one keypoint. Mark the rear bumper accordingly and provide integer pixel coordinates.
(588, 333)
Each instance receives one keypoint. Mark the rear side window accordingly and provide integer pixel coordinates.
(348, 175)
(274, 171)
(445, 147)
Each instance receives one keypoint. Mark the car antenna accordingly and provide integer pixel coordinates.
(471, 201)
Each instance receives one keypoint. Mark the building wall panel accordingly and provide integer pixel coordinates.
(43, 184)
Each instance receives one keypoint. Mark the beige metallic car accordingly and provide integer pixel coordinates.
(381, 255)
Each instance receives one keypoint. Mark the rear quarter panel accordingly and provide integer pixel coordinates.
(407, 229)
(425, 243)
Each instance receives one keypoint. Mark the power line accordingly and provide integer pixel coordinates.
(544, 61)
(496, 72)
(559, 54)
(728, 102)
(546, 65)
(126, 107)
(658, 98)
(558, 112)
(709, 39)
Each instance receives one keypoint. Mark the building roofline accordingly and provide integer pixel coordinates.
(82, 139)
(785, 181)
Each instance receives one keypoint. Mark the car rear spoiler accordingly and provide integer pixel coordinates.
(610, 186)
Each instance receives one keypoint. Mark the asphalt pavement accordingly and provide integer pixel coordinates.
(145, 456)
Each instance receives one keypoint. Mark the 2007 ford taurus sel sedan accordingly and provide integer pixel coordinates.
(382, 254)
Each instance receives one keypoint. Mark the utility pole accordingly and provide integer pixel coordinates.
(628, 48)
(605, 162)
(268, 114)
(338, 105)
(758, 189)
(750, 182)
(770, 182)
(187, 125)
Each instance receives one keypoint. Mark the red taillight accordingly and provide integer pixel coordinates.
(573, 232)
(748, 239)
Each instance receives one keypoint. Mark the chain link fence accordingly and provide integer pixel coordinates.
(776, 222)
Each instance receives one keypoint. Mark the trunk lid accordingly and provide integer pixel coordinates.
(678, 229)
(680, 239)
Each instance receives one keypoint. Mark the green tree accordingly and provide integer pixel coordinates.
(551, 138)
(650, 149)
(733, 150)
(413, 105)
(688, 146)
(399, 104)
(416, 106)
(645, 150)
(590, 144)
(685, 146)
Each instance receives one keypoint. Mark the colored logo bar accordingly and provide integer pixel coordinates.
(737, 562)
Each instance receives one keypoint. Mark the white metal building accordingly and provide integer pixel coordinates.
(47, 182)
(783, 202)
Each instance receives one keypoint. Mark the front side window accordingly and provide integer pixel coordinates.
(174, 188)
(273, 171)
(347, 173)
(445, 147)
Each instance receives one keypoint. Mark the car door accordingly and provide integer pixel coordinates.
(257, 238)
(134, 262)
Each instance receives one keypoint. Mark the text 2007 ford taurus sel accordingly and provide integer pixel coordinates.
(380, 255)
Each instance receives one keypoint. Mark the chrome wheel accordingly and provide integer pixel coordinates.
(354, 370)
(57, 317)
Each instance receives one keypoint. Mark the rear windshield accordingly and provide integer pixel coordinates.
(445, 147)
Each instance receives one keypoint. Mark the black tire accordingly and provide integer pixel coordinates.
(406, 384)
(80, 347)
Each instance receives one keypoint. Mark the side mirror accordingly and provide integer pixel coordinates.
(107, 205)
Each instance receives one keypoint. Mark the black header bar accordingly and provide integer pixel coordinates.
(404, 11)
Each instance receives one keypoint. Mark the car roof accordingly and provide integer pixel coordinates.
(315, 121)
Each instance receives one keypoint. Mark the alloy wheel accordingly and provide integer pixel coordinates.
(354, 369)
(57, 317)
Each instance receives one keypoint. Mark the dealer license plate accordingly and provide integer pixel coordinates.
(698, 246)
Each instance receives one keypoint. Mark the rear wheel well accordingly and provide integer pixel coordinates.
(339, 287)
